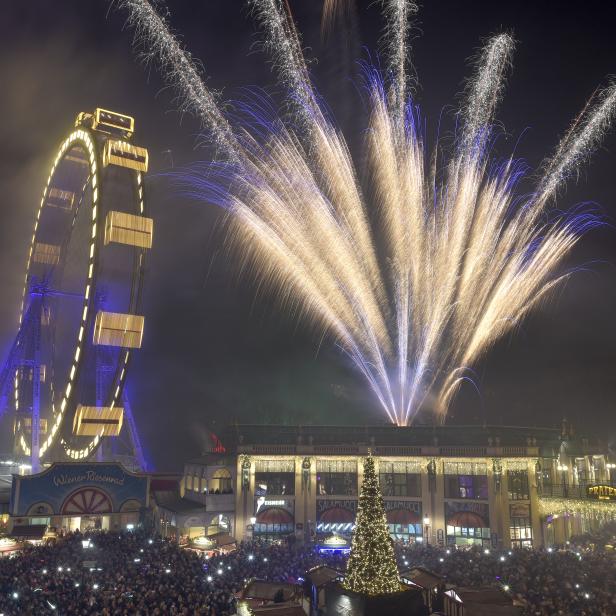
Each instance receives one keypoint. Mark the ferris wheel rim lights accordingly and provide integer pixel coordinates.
(87, 139)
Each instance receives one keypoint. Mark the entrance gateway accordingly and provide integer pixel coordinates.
(71, 496)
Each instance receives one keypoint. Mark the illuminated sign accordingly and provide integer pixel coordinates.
(269, 502)
(335, 541)
(601, 492)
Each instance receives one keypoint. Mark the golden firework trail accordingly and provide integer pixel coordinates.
(452, 256)
(332, 11)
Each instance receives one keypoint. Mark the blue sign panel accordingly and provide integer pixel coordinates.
(78, 488)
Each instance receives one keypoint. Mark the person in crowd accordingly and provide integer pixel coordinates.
(132, 573)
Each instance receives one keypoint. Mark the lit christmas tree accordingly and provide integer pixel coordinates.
(372, 568)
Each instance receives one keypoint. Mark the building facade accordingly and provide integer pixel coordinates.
(73, 496)
(209, 482)
(489, 486)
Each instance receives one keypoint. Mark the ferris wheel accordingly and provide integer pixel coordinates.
(63, 382)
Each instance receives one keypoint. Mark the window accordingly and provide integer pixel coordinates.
(336, 477)
(546, 474)
(275, 483)
(466, 480)
(598, 463)
(221, 482)
(517, 485)
(466, 486)
(462, 535)
(405, 532)
(581, 471)
(400, 479)
(520, 528)
(272, 531)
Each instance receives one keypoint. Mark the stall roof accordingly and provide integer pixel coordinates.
(321, 575)
(422, 577)
(487, 595)
(487, 601)
(266, 591)
(28, 531)
(279, 610)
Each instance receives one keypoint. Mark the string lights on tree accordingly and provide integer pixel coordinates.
(371, 569)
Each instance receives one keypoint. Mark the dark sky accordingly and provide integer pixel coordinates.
(212, 351)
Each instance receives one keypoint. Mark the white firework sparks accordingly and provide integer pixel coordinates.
(485, 90)
(579, 142)
(396, 37)
(153, 35)
(462, 256)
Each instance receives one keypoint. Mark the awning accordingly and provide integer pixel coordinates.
(337, 515)
(30, 531)
(402, 516)
(275, 515)
(467, 519)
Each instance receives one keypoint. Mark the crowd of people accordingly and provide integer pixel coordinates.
(576, 579)
(135, 574)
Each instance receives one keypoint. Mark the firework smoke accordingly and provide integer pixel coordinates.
(462, 255)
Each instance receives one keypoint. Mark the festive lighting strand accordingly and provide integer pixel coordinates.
(153, 35)
(371, 568)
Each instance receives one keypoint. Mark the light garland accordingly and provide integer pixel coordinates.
(371, 569)
(589, 508)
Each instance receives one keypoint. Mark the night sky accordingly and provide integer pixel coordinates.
(215, 352)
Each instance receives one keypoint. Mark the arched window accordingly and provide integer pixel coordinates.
(221, 482)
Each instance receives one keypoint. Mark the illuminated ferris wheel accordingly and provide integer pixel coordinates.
(64, 378)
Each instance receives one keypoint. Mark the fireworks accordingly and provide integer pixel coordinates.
(181, 71)
(332, 10)
(397, 26)
(452, 258)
